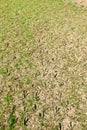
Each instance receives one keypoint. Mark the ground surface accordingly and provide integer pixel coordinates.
(43, 65)
(82, 2)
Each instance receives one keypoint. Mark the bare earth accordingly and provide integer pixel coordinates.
(82, 2)
(43, 65)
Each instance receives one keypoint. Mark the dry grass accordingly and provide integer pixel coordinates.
(43, 65)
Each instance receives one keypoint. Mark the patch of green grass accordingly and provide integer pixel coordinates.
(3, 72)
(8, 98)
(12, 119)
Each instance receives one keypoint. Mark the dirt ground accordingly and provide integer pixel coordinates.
(82, 2)
(43, 65)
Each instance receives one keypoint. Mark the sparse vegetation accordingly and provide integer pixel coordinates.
(43, 65)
